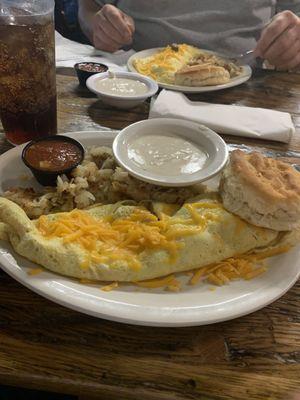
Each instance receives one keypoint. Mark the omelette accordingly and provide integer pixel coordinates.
(162, 65)
(130, 242)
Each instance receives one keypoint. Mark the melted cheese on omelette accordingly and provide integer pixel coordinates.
(162, 65)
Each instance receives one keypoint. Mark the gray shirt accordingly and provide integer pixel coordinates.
(227, 26)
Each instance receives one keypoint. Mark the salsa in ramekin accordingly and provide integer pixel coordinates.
(52, 156)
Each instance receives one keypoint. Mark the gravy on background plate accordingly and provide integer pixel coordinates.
(121, 86)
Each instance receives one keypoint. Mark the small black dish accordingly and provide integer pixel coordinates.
(48, 178)
(86, 69)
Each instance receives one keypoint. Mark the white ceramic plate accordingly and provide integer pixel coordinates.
(243, 77)
(194, 305)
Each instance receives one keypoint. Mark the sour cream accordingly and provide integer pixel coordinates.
(166, 154)
(121, 86)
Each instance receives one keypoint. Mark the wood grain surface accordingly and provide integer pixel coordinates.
(46, 346)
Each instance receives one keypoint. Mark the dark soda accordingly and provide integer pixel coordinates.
(27, 77)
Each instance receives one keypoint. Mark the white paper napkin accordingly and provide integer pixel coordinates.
(68, 53)
(259, 123)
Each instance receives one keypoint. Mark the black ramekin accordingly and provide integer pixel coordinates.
(48, 178)
(84, 75)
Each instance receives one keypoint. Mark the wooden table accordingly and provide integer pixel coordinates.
(46, 346)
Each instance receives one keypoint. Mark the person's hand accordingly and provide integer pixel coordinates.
(112, 29)
(279, 43)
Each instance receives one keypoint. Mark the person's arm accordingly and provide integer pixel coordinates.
(279, 43)
(107, 27)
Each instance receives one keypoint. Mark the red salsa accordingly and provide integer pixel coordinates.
(53, 155)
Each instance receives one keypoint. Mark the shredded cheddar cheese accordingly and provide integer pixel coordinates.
(86, 281)
(215, 205)
(170, 209)
(108, 240)
(34, 271)
(201, 219)
(167, 60)
(108, 288)
(226, 271)
(244, 267)
(247, 267)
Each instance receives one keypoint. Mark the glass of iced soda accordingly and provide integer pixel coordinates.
(27, 69)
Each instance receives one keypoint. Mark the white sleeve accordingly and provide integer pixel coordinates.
(292, 5)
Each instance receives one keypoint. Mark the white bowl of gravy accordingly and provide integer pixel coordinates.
(122, 89)
(170, 152)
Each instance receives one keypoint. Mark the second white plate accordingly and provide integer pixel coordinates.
(243, 77)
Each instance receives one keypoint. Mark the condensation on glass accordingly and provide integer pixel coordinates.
(27, 69)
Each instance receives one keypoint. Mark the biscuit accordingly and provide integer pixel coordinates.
(262, 191)
(201, 75)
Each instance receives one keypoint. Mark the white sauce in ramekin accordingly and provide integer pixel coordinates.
(121, 86)
(166, 154)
